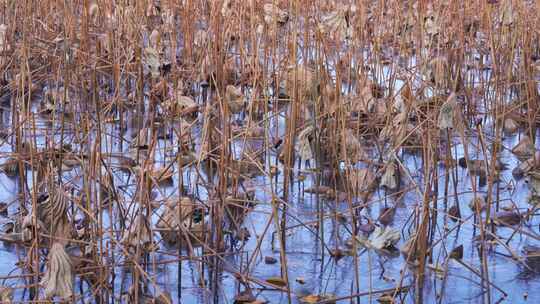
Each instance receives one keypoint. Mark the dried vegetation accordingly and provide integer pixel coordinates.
(153, 147)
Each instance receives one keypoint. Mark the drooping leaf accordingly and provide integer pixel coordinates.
(507, 13)
(234, 98)
(152, 61)
(337, 22)
(524, 168)
(439, 71)
(409, 249)
(431, 24)
(525, 148)
(362, 181)
(353, 147)
(304, 80)
(58, 278)
(391, 176)
(139, 233)
(182, 211)
(381, 238)
(226, 8)
(510, 126)
(272, 13)
(303, 145)
(3, 38)
(447, 113)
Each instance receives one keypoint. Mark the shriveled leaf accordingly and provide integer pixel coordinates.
(386, 299)
(431, 24)
(318, 190)
(509, 218)
(6, 294)
(339, 253)
(524, 168)
(152, 61)
(454, 212)
(507, 13)
(391, 177)
(381, 238)
(58, 278)
(353, 147)
(532, 256)
(336, 23)
(53, 212)
(304, 80)
(408, 249)
(312, 299)
(139, 233)
(447, 113)
(200, 39)
(10, 167)
(226, 8)
(439, 71)
(362, 181)
(3, 38)
(387, 215)
(437, 269)
(234, 98)
(272, 13)
(182, 211)
(142, 139)
(525, 148)
(510, 126)
(162, 298)
(534, 183)
(477, 204)
(28, 228)
(163, 175)
(303, 144)
(153, 39)
(278, 281)
(181, 105)
(370, 100)
(457, 253)
(243, 297)
(270, 260)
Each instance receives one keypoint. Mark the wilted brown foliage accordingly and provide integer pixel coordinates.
(146, 142)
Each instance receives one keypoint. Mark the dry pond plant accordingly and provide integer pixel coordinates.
(269, 151)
